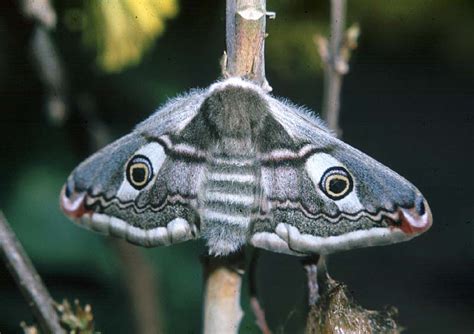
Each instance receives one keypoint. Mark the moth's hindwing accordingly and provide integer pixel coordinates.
(235, 166)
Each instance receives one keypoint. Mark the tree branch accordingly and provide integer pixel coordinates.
(46, 58)
(41, 11)
(245, 38)
(223, 282)
(28, 280)
(311, 269)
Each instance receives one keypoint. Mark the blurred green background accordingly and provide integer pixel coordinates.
(408, 101)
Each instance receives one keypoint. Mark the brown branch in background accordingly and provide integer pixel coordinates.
(254, 303)
(47, 64)
(46, 58)
(332, 74)
(28, 280)
(141, 284)
(245, 38)
(335, 55)
(41, 11)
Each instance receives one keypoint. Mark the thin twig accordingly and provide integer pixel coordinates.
(317, 277)
(41, 11)
(28, 280)
(334, 64)
(311, 267)
(333, 77)
(45, 57)
(50, 71)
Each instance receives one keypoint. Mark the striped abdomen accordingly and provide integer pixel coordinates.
(228, 200)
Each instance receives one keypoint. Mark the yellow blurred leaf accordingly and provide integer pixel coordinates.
(122, 30)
